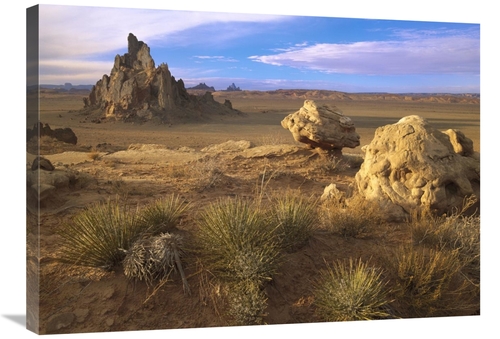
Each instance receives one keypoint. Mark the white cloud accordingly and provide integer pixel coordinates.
(426, 55)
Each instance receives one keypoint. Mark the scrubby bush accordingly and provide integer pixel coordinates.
(454, 232)
(295, 218)
(428, 282)
(96, 236)
(352, 217)
(246, 303)
(351, 292)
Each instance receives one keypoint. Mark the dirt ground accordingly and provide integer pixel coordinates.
(165, 159)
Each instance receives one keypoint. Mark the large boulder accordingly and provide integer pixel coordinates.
(410, 164)
(324, 127)
(136, 89)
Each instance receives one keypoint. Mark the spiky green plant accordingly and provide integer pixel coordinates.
(295, 217)
(351, 292)
(97, 235)
(235, 242)
(163, 214)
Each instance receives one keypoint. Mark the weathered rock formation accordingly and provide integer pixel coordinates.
(324, 127)
(135, 89)
(410, 164)
(62, 134)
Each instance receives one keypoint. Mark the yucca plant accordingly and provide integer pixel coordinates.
(295, 217)
(164, 214)
(96, 236)
(236, 243)
(351, 292)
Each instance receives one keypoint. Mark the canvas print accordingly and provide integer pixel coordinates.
(199, 169)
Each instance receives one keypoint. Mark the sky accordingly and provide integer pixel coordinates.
(262, 51)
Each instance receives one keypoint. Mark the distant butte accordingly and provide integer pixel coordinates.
(136, 90)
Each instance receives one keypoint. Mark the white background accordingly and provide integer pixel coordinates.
(12, 108)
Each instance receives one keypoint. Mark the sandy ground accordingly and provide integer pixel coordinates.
(165, 159)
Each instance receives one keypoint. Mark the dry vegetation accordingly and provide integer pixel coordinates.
(242, 240)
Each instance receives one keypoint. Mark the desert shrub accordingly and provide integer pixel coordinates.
(163, 214)
(246, 302)
(97, 235)
(207, 172)
(331, 164)
(428, 282)
(454, 232)
(352, 217)
(235, 242)
(295, 217)
(351, 292)
(154, 258)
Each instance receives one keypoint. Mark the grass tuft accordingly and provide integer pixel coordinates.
(429, 282)
(351, 292)
(353, 217)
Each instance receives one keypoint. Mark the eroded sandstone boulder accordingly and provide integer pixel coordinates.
(410, 164)
(324, 127)
(137, 90)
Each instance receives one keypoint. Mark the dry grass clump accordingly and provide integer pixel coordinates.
(352, 217)
(351, 292)
(207, 172)
(429, 282)
(154, 258)
(95, 236)
(454, 232)
(94, 154)
(295, 217)
(164, 214)
(241, 251)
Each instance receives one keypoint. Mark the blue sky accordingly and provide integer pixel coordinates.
(264, 52)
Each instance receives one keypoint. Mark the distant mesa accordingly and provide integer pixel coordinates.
(136, 90)
(203, 86)
(233, 88)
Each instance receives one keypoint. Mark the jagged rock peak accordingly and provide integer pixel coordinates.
(135, 89)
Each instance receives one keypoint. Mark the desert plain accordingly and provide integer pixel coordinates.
(139, 163)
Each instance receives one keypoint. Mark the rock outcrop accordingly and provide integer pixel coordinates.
(136, 90)
(324, 127)
(410, 164)
(62, 134)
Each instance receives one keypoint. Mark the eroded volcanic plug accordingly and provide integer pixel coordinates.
(137, 90)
